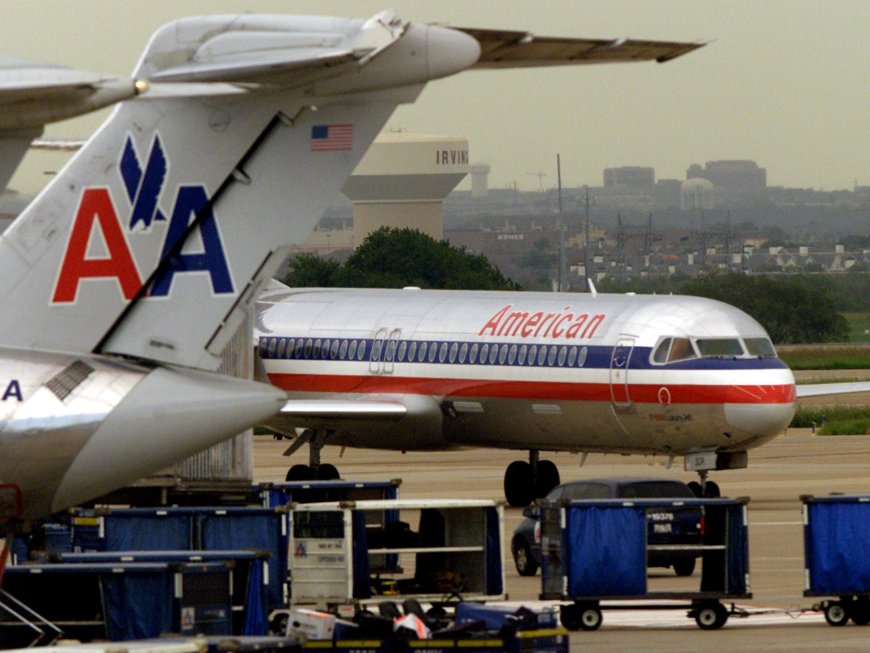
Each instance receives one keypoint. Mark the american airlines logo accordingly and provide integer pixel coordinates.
(564, 324)
(99, 248)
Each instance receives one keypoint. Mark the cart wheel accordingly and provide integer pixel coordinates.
(570, 617)
(711, 617)
(835, 614)
(859, 612)
(590, 618)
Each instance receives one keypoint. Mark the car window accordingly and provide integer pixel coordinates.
(654, 490)
(574, 491)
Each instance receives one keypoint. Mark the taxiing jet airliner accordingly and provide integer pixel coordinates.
(428, 369)
(123, 281)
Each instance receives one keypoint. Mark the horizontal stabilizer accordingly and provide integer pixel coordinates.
(823, 389)
(512, 49)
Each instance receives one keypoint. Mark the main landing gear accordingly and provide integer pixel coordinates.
(526, 481)
(314, 470)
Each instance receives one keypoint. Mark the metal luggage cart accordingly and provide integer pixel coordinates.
(596, 550)
(836, 539)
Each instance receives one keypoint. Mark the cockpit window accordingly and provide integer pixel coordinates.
(681, 350)
(761, 347)
(660, 355)
(719, 347)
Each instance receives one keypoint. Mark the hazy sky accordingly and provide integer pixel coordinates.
(783, 82)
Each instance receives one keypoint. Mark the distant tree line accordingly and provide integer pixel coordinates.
(792, 308)
(396, 258)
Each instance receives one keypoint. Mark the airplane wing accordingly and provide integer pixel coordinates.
(33, 94)
(325, 409)
(822, 389)
(510, 49)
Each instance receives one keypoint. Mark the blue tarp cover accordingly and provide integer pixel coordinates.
(837, 537)
(141, 531)
(605, 550)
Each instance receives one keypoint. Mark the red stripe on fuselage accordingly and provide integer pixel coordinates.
(537, 390)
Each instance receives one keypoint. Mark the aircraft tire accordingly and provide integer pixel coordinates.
(695, 487)
(519, 484)
(300, 473)
(547, 477)
(711, 490)
(327, 472)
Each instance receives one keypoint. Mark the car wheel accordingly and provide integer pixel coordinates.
(684, 567)
(523, 558)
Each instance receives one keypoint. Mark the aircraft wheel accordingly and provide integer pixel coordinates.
(300, 473)
(327, 472)
(519, 483)
(711, 617)
(695, 487)
(711, 490)
(547, 479)
(835, 614)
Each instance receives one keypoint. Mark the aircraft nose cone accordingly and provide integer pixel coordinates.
(760, 419)
(449, 51)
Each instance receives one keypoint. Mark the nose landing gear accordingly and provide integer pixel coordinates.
(704, 489)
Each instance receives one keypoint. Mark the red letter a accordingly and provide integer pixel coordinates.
(96, 207)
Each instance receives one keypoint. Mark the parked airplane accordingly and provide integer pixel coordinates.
(33, 94)
(427, 369)
(127, 276)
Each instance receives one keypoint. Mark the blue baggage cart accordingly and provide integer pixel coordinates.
(836, 540)
(596, 550)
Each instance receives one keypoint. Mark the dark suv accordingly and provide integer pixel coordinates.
(665, 525)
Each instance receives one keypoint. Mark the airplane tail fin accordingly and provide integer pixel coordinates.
(156, 237)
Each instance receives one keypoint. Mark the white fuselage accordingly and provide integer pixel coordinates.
(564, 372)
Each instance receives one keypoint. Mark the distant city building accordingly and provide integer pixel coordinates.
(479, 179)
(732, 179)
(630, 180)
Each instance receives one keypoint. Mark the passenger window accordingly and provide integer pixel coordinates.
(551, 358)
(361, 350)
(351, 354)
(433, 352)
(761, 347)
(660, 355)
(492, 354)
(403, 349)
(681, 350)
(412, 351)
(522, 358)
(581, 357)
(484, 352)
(542, 355)
(572, 356)
(454, 349)
(421, 355)
(442, 352)
(333, 352)
(512, 358)
(463, 352)
(502, 354)
(342, 352)
(533, 353)
(473, 356)
(719, 347)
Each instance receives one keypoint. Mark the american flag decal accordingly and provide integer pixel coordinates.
(331, 138)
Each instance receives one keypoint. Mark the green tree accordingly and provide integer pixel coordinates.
(311, 271)
(395, 258)
(791, 310)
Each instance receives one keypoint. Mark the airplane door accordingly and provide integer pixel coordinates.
(619, 362)
(390, 351)
(377, 351)
(384, 348)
